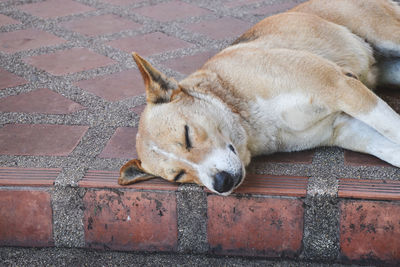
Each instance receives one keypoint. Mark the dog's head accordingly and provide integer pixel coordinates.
(180, 140)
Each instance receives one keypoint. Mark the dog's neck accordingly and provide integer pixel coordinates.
(209, 88)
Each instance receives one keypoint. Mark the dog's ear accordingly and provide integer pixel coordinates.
(159, 88)
(133, 172)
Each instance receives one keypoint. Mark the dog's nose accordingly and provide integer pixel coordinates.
(223, 182)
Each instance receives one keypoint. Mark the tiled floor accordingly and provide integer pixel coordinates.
(70, 100)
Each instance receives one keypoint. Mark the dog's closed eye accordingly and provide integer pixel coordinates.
(179, 175)
(187, 138)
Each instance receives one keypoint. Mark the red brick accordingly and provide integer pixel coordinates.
(69, 61)
(239, 3)
(139, 109)
(255, 226)
(121, 2)
(121, 145)
(220, 28)
(39, 101)
(189, 64)
(25, 218)
(274, 9)
(115, 87)
(28, 176)
(99, 25)
(22, 40)
(294, 186)
(370, 230)
(171, 11)
(4, 20)
(361, 159)
(130, 220)
(149, 44)
(8, 79)
(300, 157)
(55, 8)
(369, 189)
(40, 139)
(108, 179)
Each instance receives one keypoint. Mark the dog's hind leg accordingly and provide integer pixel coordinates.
(355, 135)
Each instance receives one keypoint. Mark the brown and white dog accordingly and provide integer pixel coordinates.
(294, 81)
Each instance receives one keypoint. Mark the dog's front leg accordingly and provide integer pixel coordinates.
(359, 102)
(353, 134)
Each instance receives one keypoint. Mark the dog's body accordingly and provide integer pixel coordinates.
(294, 81)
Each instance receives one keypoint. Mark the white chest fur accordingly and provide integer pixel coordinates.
(289, 122)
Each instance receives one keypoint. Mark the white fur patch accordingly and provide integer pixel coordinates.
(383, 119)
(218, 160)
(288, 122)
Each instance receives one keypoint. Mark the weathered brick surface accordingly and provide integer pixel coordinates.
(149, 44)
(130, 220)
(361, 159)
(69, 61)
(121, 145)
(189, 64)
(370, 230)
(5, 20)
(171, 11)
(11, 42)
(39, 101)
(99, 25)
(220, 28)
(116, 86)
(51, 8)
(25, 218)
(39, 139)
(255, 226)
(8, 79)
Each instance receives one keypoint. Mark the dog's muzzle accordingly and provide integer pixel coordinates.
(225, 181)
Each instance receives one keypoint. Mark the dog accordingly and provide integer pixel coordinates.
(294, 81)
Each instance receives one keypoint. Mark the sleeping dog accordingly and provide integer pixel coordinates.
(294, 81)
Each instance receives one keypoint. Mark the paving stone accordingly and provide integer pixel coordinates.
(40, 139)
(55, 8)
(130, 220)
(222, 28)
(369, 189)
(149, 44)
(115, 87)
(109, 179)
(189, 64)
(100, 25)
(39, 101)
(8, 79)
(121, 2)
(4, 20)
(370, 230)
(25, 218)
(121, 145)
(300, 157)
(22, 40)
(171, 11)
(270, 227)
(38, 177)
(69, 61)
(239, 3)
(361, 159)
(274, 185)
(274, 9)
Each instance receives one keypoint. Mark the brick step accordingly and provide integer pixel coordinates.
(265, 217)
